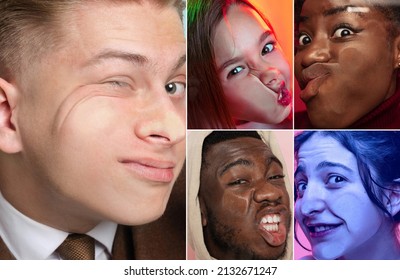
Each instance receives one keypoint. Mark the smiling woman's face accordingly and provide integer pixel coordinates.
(333, 208)
(344, 63)
(253, 72)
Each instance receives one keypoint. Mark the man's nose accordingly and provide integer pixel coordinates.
(267, 192)
(162, 121)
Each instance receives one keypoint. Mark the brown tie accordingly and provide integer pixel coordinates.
(77, 247)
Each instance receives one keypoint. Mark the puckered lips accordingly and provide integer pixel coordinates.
(272, 225)
(311, 79)
(284, 98)
(155, 170)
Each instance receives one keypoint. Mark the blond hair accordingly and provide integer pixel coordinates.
(29, 28)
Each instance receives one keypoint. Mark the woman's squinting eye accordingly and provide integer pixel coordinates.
(304, 39)
(175, 88)
(269, 47)
(342, 32)
(235, 71)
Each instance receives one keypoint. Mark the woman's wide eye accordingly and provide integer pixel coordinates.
(301, 188)
(342, 32)
(304, 39)
(269, 47)
(235, 71)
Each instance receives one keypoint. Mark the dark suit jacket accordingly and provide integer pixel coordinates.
(164, 239)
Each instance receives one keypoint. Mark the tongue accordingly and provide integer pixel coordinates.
(274, 238)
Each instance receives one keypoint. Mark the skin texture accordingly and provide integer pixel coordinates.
(339, 58)
(251, 67)
(241, 182)
(93, 128)
(331, 196)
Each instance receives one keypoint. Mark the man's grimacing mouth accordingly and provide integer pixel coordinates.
(270, 222)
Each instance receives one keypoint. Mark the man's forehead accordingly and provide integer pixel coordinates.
(239, 146)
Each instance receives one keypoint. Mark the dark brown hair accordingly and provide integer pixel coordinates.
(206, 102)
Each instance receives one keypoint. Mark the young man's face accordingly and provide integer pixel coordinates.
(344, 63)
(102, 120)
(244, 201)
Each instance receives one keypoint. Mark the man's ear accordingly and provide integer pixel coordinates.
(9, 138)
(203, 212)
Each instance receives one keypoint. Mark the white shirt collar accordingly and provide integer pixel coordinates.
(29, 240)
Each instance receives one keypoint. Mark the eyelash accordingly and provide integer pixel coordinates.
(118, 84)
(273, 46)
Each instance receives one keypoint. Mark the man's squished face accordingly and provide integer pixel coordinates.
(333, 207)
(344, 62)
(253, 71)
(244, 201)
(102, 120)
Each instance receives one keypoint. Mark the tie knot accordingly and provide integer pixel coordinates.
(77, 247)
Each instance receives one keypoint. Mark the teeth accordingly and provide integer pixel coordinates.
(271, 219)
(272, 227)
(322, 228)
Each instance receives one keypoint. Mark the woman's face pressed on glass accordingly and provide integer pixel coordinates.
(253, 71)
(332, 207)
(344, 63)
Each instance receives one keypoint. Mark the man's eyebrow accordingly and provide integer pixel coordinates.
(181, 61)
(276, 160)
(134, 58)
(325, 164)
(228, 166)
(236, 59)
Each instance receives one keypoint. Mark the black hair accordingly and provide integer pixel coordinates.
(219, 136)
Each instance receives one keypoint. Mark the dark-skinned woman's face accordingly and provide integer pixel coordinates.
(345, 63)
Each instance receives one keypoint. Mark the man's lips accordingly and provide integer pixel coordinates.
(151, 169)
(272, 225)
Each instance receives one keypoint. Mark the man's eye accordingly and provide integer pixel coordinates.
(175, 88)
(276, 177)
(304, 39)
(118, 84)
(342, 32)
(235, 71)
(269, 47)
(237, 182)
